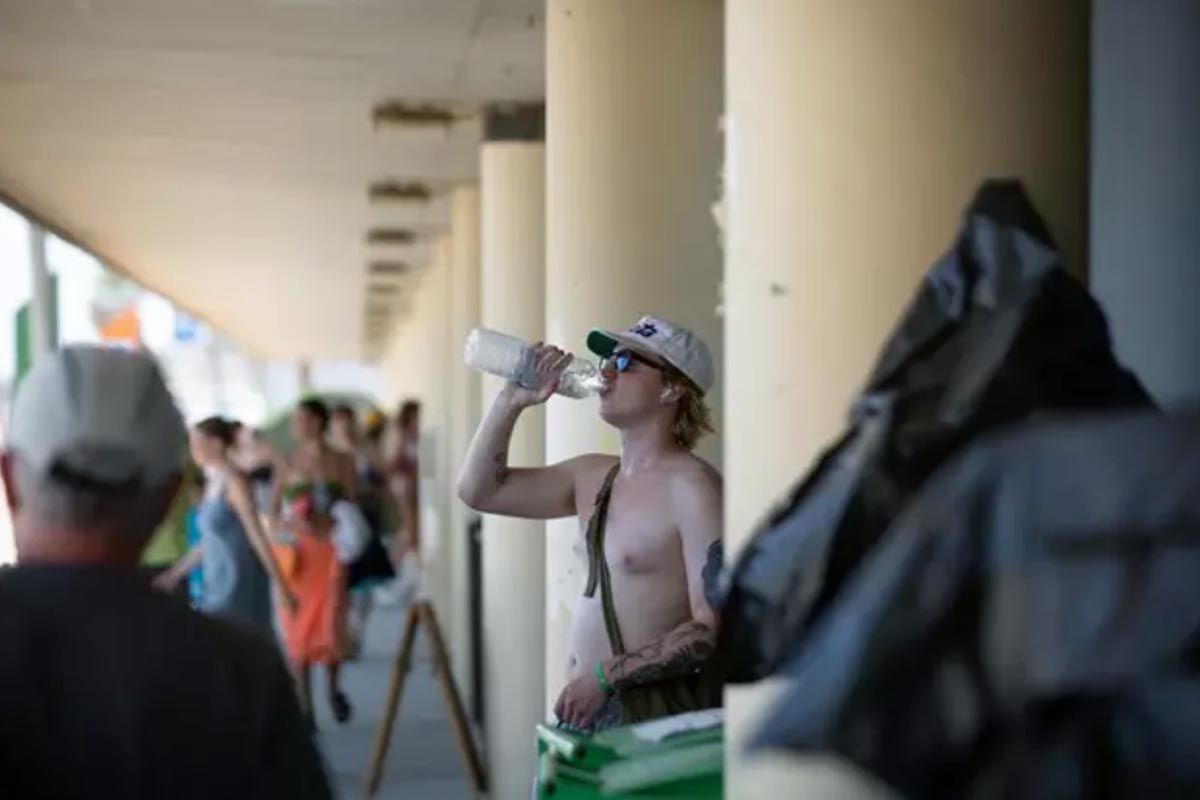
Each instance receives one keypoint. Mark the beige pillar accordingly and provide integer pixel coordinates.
(514, 568)
(1145, 190)
(856, 134)
(632, 155)
(436, 456)
(464, 418)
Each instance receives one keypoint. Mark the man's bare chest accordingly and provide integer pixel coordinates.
(640, 536)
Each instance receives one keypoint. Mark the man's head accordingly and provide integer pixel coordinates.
(656, 369)
(95, 452)
(344, 423)
(310, 420)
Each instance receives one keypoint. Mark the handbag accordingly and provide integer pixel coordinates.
(350, 533)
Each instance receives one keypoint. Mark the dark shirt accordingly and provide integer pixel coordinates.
(110, 688)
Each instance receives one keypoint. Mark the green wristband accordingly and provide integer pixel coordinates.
(604, 684)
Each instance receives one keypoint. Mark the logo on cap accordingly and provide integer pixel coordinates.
(645, 329)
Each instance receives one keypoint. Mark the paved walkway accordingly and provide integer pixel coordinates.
(423, 762)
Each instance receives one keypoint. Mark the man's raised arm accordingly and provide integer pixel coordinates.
(487, 484)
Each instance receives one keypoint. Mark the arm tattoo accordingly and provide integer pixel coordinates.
(680, 652)
(501, 462)
(712, 573)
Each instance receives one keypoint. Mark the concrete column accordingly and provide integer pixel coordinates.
(41, 305)
(464, 418)
(1146, 188)
(856, 134)
(432, 310)
(436, 455)
(632, 156)
(514, 565)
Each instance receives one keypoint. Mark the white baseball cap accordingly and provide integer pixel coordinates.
(102, 413)
(676, 345)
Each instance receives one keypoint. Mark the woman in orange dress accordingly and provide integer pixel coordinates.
(316, 476)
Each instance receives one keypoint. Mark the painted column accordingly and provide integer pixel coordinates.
(632, 157)
(514, 572)
(1145, 240)
(464, 387)
(856, 134)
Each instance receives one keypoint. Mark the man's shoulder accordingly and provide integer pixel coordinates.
(45, 583)
(591, 467)
(596, 461)
(691, 475)
(694, 489)
(124, 614)
(212, 637)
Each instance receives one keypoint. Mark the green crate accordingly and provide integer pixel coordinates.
(687, 765)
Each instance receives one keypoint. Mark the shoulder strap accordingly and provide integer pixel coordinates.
(598, 565)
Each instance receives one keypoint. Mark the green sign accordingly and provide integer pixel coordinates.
(24, 331)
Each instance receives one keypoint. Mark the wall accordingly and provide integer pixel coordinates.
(1145, 202)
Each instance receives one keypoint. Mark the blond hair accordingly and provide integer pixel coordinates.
(693, 418)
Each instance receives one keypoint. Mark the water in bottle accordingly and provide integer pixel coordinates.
(512, 359)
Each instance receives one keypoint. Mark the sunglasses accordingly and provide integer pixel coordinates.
(622, 360)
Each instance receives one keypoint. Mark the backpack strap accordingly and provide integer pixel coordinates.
(598, 574)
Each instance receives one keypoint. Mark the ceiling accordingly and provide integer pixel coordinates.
(220, 151)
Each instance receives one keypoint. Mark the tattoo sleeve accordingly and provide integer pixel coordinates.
(500, 459)
(680, 652)
(712, 573)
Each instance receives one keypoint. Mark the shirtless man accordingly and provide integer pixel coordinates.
(662, 537)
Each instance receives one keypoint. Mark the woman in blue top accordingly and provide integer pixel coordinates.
(239, 565)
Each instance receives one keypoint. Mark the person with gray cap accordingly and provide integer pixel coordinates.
(109, 687)
(645, 625)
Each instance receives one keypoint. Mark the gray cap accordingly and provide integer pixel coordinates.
(674, 344)
(104, 414)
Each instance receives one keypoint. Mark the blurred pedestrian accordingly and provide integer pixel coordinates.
(315, 479)
(239, 564)
(259, 461)
(372, 566)
(404, 478)
(403, 481)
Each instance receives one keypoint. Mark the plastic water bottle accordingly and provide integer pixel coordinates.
(512, 359)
